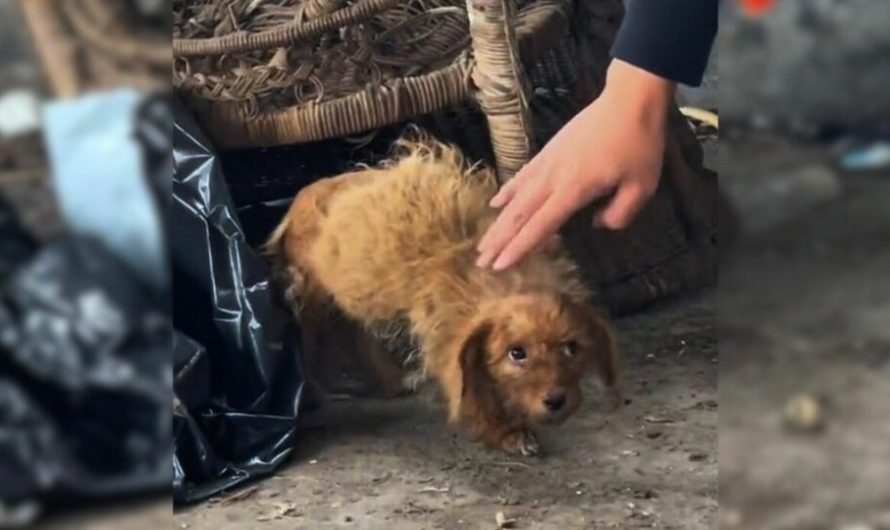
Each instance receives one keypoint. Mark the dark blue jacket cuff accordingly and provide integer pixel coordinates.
(669, 38)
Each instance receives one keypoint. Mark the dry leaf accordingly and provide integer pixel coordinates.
(241, 495)
(279, 60)
(503, 522)
(281, 509)
(433, 489)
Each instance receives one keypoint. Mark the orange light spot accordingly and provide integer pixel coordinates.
(757, 8)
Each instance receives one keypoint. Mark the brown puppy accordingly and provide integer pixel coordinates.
(397, 242)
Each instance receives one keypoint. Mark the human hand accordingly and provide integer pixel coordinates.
(614, 145)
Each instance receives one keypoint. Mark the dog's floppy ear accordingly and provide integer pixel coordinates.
(478, 397)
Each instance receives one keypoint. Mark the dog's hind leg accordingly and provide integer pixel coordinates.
(321, 323)
(379, 364)
(314, 314)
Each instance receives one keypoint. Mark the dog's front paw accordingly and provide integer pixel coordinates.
(521, 442)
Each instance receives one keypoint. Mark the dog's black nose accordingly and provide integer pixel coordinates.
(555, 401)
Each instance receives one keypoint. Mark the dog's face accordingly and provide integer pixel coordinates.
(528, 353)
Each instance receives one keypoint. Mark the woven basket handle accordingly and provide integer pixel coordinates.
(284, 35)
(502, 89)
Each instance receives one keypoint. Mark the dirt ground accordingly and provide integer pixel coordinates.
(804, 309)
(394, 465)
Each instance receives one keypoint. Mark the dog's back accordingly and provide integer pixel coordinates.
(400, 238)
(375, 237)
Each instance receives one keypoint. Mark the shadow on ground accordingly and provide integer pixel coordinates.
(394, 465)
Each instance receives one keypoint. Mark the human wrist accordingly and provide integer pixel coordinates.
(646, 96)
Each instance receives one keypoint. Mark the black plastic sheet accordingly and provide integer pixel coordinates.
(85, 368)
(84, 378)
(153, 131)
(237, 387)
(16, 245)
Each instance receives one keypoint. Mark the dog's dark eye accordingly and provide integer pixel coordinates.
(569, 348)
(516, 354)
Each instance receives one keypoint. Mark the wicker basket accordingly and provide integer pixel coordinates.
(321, 69)
(88, 45)
(497, 77)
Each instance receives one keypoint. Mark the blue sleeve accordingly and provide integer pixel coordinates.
(669, 38)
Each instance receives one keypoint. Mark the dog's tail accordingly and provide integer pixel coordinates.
(274, 246)
(288, 275)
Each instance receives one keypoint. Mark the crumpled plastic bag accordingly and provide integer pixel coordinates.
(238, 387)
(16, 245)
(85, 342)
(84, 378)
(85, 369)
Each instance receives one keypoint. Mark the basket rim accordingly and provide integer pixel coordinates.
(286, 34)
(539, 26)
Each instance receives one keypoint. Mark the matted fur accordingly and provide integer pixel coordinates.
(397, 242)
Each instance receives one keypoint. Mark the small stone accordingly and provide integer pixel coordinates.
(347, 519)
(313, 461)
(730, 518)
(697, 457)
(803, 413)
